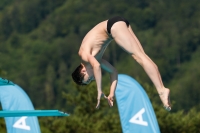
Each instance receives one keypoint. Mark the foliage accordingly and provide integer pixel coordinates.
(39, 41)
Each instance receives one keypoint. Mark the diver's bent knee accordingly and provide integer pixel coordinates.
(138, 59)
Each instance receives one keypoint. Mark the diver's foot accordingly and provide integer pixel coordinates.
(165, 98)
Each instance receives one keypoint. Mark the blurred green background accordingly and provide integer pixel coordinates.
(40, 39)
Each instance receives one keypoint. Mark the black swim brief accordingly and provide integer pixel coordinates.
(113, 20)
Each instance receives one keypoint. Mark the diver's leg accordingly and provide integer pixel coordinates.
(126, 39)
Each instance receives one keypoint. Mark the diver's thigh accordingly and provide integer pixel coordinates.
(125, 39)
(134, 36)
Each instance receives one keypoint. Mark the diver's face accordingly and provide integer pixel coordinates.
(88, 75)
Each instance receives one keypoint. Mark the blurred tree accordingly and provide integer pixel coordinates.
(5, 3)
(49, 86)
(39, 42)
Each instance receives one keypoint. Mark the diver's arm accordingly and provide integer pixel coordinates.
(87, 58)
(98, 76)
(113, 78)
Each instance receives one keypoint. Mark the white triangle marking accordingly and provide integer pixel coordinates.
(137, 118)
(21, 123)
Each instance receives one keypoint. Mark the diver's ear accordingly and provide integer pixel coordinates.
(83, 70)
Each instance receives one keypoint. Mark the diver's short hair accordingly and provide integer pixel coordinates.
(77, 76)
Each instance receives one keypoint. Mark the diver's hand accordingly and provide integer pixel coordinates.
(100, 94)
(98, 104)
(98, 99)
(110, 99)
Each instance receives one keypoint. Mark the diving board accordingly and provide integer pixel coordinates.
(17, 113)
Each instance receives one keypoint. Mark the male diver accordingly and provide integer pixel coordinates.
(92, 49)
